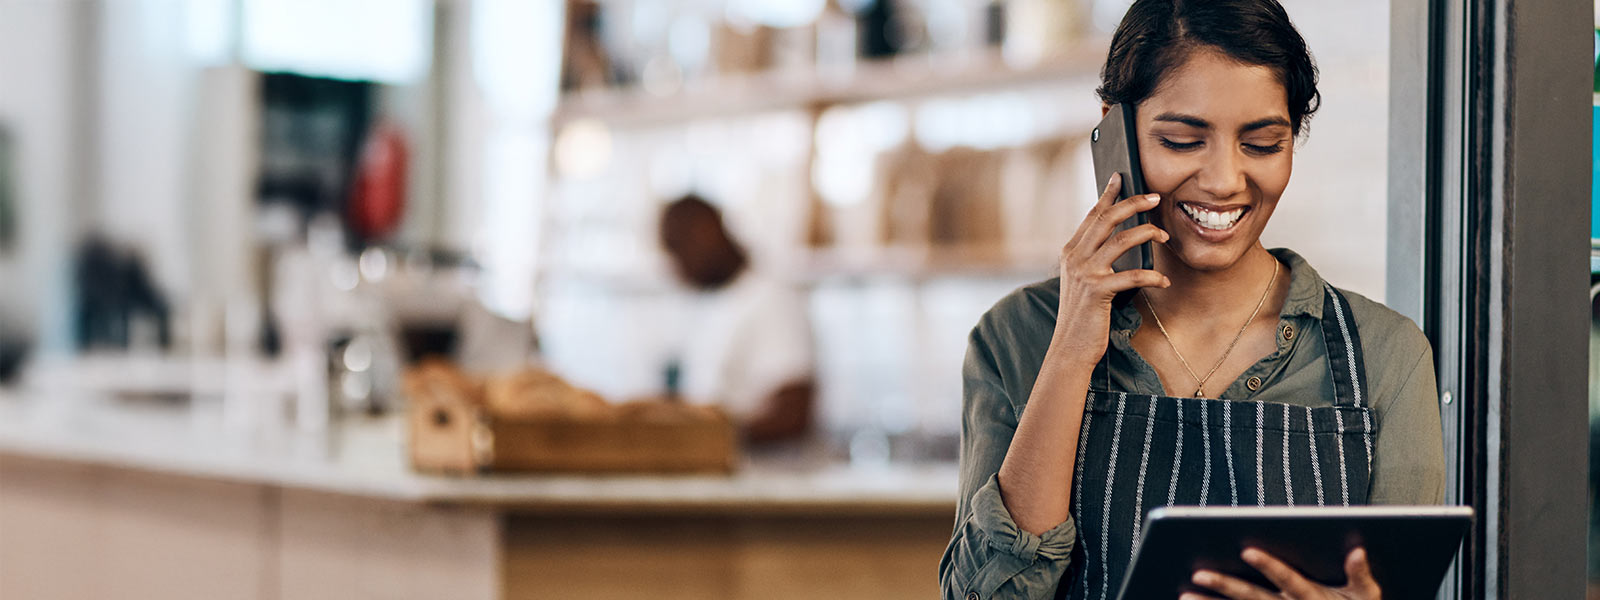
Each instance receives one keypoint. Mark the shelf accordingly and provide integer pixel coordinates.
(911, 76)
(925, 262)
(821, 265)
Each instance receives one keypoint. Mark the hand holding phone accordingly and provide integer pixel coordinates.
(1090, 281)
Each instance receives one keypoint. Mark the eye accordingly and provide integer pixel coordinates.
(1179, 146)
(1264, 150)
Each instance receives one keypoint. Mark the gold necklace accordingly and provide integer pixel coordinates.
(1200, 388)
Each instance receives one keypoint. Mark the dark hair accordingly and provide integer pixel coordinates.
(1157, 35)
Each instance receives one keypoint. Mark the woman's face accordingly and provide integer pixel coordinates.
(1215, 142)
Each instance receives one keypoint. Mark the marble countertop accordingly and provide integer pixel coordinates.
(366, 458)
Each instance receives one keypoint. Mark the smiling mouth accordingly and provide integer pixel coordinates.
(1211, 219)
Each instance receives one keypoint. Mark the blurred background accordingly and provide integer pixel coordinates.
(229, 228)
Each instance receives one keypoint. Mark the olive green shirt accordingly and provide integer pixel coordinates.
(990, 556)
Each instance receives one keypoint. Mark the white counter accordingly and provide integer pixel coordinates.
(365, 458)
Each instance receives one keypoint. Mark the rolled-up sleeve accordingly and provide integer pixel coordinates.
(988, 555)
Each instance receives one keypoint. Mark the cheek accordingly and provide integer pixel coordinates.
(1163, 172)
(1271, 177)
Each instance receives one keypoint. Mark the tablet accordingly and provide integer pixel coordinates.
(1409, 547)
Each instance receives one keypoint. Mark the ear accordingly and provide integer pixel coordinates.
(1104, 108)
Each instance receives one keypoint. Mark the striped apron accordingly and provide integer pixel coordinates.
(1137, 452)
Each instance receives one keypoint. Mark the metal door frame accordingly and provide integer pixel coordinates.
(1488, 214)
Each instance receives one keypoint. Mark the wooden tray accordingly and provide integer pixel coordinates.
(455, 433)
(572, 446)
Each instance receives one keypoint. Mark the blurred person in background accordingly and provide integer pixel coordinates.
(749, 346)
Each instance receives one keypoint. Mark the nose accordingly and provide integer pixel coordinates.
(1222, 177)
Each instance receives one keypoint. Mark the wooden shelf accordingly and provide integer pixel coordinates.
(910, 76)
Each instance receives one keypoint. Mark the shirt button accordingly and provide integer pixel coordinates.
(1254, 383)
(1288, 332)
(972, 596)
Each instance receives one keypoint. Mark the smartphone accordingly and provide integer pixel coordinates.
(1116, 150)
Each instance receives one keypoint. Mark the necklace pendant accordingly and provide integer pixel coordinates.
(1200, 392)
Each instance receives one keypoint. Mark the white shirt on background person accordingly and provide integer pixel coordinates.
(743, 342)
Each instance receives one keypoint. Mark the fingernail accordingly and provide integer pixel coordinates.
(1115, 177)
(1203, 578)
(1152, 198)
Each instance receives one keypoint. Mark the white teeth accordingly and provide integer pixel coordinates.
(1211, 219)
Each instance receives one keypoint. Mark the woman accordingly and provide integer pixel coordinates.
(1259, 383)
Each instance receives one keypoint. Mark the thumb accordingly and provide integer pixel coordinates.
(1358, 572)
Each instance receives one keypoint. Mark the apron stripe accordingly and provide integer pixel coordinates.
(1344, 472)
(1177, 458)
(1227, 448)
(1261, 487)
(1288, 477)
(1316, 461)
(1205, 442)
(1105, 519)
(1368, 439)
(1083, 448)
(1138, 491)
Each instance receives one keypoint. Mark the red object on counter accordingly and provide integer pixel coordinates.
(378, 193)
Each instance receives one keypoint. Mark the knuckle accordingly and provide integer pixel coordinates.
(1069, 271)
(1116, 239)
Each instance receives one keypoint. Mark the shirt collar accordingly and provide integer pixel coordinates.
(1305, 286)
(1304, 299)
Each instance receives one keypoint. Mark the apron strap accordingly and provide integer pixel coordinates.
(1343, 342)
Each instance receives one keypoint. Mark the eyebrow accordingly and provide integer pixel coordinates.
(1200, 123)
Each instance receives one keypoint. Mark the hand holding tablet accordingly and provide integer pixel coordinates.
(1308, 552)
(1359, 582)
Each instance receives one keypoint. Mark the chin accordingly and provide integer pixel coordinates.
(1200, 255)
(1204, 257)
